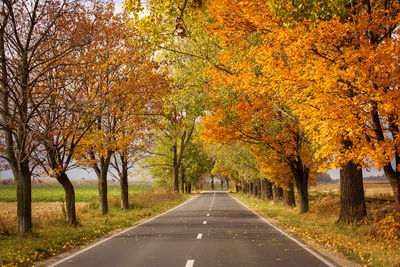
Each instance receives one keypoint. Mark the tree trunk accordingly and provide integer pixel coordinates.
(101, 171)
(69, 198)
(301, 175)
(176, 170)
(263, 189)
(24, 199)
(190, 188)
(276, 194)
(183, 179)
(124, 188)
(102, 183)
(268, 189)
(302, 192)
(394, 179)
(212, 182)
(392, 174)
(16, 155)
(352, 201)
(288, 196)
(222, 184)
(227, 183)
(258, 183)
(254, 189)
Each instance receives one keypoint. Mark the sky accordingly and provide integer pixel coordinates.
(118, 5)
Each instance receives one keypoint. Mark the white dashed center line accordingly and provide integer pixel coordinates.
(209, 209)
(204, 222)
(189, 263)
(199, 236)
(208, 214)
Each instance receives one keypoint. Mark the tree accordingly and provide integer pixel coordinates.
(273, 55)
(128, 88)
(172, 142)
(263, 121)
(30, 47)
(64, 117)
(195, 162)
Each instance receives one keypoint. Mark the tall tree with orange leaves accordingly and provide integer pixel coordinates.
(128, 89)
(265, 60)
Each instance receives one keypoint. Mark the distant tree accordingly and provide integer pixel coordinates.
(324, 178)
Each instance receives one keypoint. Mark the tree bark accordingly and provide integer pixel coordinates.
(101, 171)
(24, 199)
(176, 170)
(301, 177)
(258, 182)
(255, 189)
(263, 189)
(69, 198)
(102, 184)
(222, 183)
(276, 194)
(227, 183)
(123, 180)
(394, 180)
(352, 201)
(392, 174)
(268, 189)
(212, 182)
(288, 196)
(183, 179)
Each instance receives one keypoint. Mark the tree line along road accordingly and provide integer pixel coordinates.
(211, 229)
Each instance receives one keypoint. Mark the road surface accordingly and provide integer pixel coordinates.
(212, 229)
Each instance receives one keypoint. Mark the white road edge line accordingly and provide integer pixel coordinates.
(199, 236)
(287, 235)
(120, 233)
(204, 222)
(189, 263)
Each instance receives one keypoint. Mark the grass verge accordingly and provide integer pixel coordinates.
(51, 235)
(375, 242)
(55, 192)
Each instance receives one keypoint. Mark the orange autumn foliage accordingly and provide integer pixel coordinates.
(337, 73)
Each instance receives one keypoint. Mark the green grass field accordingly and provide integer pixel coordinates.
(54, 193)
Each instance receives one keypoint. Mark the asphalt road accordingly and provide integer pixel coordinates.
(212, 229)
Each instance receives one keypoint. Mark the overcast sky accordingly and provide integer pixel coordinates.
(118, 5)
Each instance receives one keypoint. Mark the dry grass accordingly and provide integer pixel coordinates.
(371, 188)
(43, 213)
